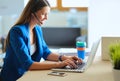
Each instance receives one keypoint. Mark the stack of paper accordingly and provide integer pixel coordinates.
(68, 51)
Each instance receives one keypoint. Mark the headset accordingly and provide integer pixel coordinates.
(37, 18)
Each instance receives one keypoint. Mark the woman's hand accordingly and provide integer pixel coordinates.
(68, 62)
(71, 61)
(75, 59)
(63, 60)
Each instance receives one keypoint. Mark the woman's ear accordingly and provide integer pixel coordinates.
(32, 14)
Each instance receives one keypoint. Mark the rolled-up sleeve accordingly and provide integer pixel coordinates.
(17, 41)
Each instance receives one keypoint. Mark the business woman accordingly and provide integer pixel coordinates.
(25, 45)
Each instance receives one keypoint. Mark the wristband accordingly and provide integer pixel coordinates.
(60, 58)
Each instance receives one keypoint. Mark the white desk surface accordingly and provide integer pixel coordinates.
(98, 71)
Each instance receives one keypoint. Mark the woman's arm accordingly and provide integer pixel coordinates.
(53, 62)
(57, 57)
(69, 60)
(46, 65)
(53, 57)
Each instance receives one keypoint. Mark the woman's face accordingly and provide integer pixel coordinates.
(43, 14)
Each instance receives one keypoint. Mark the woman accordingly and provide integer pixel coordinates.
(25, 45)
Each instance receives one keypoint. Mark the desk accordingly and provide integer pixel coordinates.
(98, 71)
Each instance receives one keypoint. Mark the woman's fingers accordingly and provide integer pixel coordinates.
(70, 63)
(77, 60)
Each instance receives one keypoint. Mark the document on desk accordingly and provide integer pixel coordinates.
(65, 51)
(68, 51)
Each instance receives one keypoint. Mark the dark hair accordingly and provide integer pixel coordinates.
(38, 4)
(25, 17)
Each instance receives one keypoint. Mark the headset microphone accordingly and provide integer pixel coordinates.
(37, 18)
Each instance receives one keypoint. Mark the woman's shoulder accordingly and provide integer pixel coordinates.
(21, 29)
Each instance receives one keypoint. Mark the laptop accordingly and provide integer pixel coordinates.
(84, 66)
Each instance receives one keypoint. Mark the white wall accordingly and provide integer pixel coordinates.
(103, 19)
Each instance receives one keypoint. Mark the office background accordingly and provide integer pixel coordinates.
(101, 19)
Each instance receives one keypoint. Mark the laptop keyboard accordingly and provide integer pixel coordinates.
(79, 66)
(78, 69)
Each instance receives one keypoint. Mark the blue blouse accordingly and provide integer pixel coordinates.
(18, 59)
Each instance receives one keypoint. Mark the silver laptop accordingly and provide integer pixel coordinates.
(84, 66)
